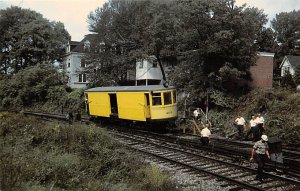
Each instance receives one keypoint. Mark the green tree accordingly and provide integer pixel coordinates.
(133, 29)
(35, 84)
(115, 25)
(27, 39)
(287, 29)
(214, 48)
(267, 40)
(208, 47)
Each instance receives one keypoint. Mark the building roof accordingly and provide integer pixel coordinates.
(270, 54)
(293, 60)
(79, 46)
(129, 88)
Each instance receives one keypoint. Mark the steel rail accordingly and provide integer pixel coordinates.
(276, 177)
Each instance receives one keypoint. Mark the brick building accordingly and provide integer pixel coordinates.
(262, 71)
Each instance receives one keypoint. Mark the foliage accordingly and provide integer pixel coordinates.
(211, 52)
(279, 107)
(75, 100)
(37, 155)
(288, 81)
(286, 26)
(267, 40)
(28, 39)
(40, 88)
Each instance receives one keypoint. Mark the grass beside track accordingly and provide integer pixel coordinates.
(37, 155)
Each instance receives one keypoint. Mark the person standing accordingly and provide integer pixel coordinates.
(198, 114)
(205, 133)
(240, 122)
(261, 150)
(260, 122)
(253, 130)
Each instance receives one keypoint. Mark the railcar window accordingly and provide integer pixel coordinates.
(174, 96)
(167, 98)
(156, 99)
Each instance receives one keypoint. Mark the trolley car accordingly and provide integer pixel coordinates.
(135, 103)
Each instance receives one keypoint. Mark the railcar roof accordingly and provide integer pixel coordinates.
(129, 88)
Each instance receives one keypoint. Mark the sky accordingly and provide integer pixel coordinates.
(73, 13)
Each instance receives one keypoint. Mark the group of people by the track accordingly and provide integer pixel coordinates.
(260, 148)
(205, 132)
(256, 129)
(255, 132)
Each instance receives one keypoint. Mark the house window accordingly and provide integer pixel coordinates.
(154, 63)
(287, 70)
(82, 63)
(82, 77)
(69, 63)
(140, 63)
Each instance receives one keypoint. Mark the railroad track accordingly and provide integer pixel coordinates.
(233, 150)
(233, 176)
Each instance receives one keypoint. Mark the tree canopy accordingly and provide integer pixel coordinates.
(287, 30)
(27, 39)
(213, 42)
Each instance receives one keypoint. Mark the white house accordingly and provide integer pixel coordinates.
(289, 65)
(74, 64)
(148, 71)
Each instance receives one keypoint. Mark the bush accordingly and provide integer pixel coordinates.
(280, 108)
(39, 155)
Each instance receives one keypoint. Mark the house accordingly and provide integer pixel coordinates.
(262, 71)
(289, 65)
(73, 63)
(148, 71)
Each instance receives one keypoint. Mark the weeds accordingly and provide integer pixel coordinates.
(37, 155)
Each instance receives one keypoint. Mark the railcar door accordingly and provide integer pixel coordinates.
(147, 106)
(113, 105)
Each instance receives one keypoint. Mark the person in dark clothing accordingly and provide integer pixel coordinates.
(70, 117)
(205, 133)
(255, 134)
(260, 121)
(261, 150)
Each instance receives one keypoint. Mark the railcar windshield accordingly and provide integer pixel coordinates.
(167, 98)
(156, 98)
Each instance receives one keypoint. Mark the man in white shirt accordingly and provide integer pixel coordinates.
(205, 133)
(260, 122)
(198, 114)
(253, 130)
(240, 123)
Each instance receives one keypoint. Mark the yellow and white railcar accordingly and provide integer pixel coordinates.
(135, 103)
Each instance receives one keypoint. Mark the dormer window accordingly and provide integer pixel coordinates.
(87, 45)
(154, 63)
